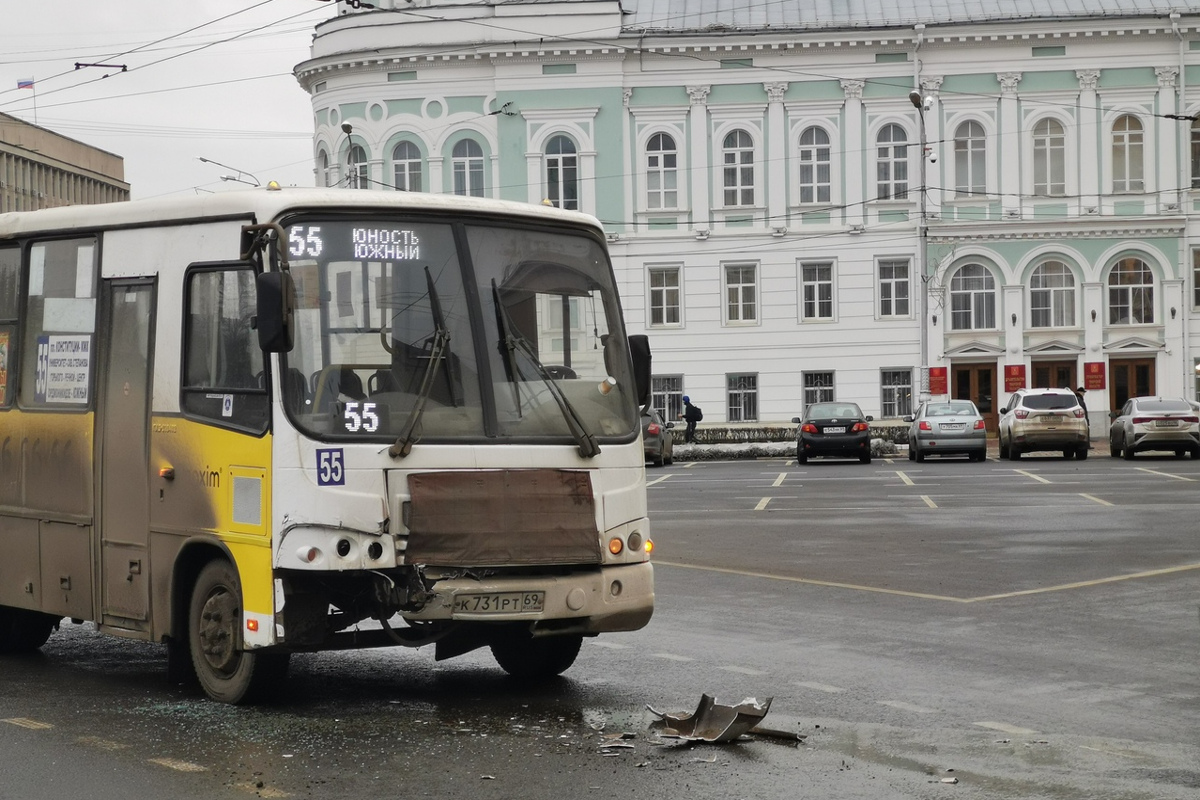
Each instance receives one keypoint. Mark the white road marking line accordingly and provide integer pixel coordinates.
(907, 480)
(1167, 475)
(266, 791)
(103, 744)
(177, 765)
(743, 670)
(656, 480)
(903, 706)
(609, 645)
(31, 724)
(929, 502)
(689, 465)
(1094, 499)
(820, 687)
(1003, 728)
(762, 504)
(789, 462)
(779, 480)
(1029, 474)
(671, 657)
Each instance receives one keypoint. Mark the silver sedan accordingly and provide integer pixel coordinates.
(1155, 423)
(947, 427)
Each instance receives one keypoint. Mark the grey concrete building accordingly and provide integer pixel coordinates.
(42, 169)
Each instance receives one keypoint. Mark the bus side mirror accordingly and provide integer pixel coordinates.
(639, 349)
(276, 299)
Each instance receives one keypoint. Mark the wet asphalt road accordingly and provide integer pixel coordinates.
(1030, 629)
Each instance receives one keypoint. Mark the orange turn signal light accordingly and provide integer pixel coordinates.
(615, 545)
(649, 546)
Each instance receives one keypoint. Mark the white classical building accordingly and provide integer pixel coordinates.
(808, 200)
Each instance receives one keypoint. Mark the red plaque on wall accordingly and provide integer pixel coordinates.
(1014, 377)
(937, 381)
(1093, 375)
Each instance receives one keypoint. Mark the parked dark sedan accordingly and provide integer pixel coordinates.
(656, 436)
(833, 429)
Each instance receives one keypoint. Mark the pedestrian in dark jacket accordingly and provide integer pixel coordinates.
(1079, 393)
(691, 415)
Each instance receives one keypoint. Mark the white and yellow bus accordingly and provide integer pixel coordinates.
(276, 420)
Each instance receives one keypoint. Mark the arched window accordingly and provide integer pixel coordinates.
(1052, 296)
(1049, 158)
(1130, 293)
(662, 172)
(970, 160)
(406, 167)
(972, 299)
(738, 159)
(1127, 154)
(891, 163)
(322, 168)
(357, 176)
(562, 173)
(815, 169)
(466, 162)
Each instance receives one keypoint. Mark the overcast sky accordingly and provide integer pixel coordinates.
(186, 93)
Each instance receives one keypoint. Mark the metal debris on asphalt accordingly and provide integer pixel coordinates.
(712, 721)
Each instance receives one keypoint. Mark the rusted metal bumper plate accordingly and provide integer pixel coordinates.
(502, 518)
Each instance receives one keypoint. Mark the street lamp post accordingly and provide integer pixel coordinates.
(923, 104)
(237, 177)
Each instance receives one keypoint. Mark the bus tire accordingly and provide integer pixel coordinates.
(522, 656)
(226, 672)
(23, 631)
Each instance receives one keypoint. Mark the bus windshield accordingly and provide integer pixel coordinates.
(434, 330)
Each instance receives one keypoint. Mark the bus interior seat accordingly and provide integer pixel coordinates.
(382, 380)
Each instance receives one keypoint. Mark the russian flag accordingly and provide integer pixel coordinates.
(24, 83)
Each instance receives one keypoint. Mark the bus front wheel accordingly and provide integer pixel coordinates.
(23, 631)
(523, 656)
(227, 673)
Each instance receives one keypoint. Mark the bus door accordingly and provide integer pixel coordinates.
(122, 435)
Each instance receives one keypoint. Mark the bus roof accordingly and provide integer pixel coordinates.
(264, 204)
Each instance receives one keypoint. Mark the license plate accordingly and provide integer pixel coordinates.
(835, 430)
(1051, 419)
(953, 426)
(499, 602)
(1165, 423)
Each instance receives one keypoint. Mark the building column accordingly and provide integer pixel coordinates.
(1169, 131)
(852, 124)
(698, 158)
(436, 182)
(776, 172)
(1009, 164)
(1090, 164)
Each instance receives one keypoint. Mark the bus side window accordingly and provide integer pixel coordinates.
(10, 297)
(223, 381)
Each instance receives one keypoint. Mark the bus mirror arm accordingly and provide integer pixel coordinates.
(639, 349)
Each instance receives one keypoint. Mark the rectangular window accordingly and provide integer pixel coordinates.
(58, 359)
(223, 365)
(818, 388)
(10, 275)
(1196, 278)
(741, 293)
(895, 392)
(664, 296)
(741, 395)
(894, 287)
(816, 286)
(666, 396)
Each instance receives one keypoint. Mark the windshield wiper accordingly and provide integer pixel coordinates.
(510, 342)
(437, 352)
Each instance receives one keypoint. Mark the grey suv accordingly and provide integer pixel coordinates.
(1043, 419)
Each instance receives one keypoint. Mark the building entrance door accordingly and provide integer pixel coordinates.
(977, 383)
(1132, 377)
(1053, 375)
